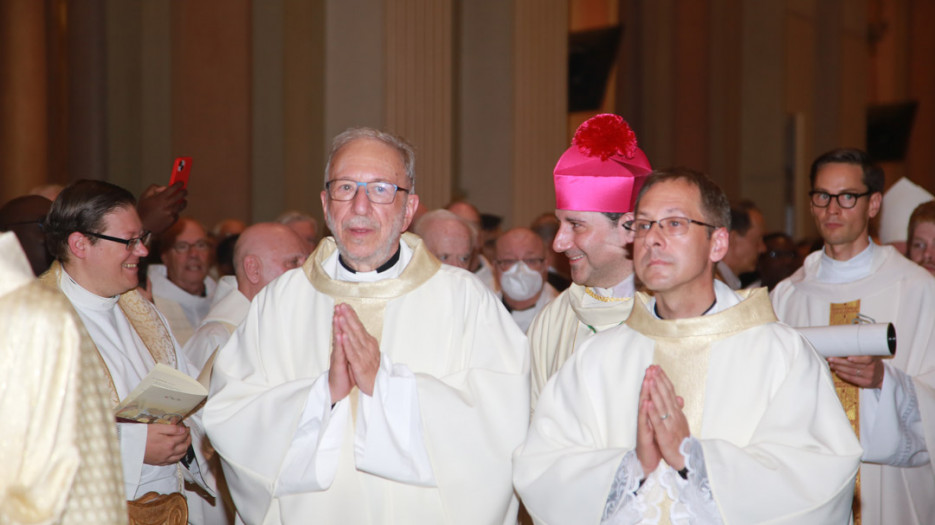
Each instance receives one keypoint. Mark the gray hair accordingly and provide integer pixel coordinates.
(405, 150)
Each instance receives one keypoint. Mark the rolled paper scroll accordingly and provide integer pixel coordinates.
(853, 339)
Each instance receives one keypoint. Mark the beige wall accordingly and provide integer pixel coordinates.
(748, 91)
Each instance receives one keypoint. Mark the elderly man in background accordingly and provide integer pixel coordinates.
(376, 385)
(891, 402)
(701, 408)
(521, 271)
(596, 183)
(263, 252)
(450, 238)
(181, 287)
(97, 238)
(304, 225)
(479, 264)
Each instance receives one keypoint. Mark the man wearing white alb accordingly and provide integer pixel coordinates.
(891, 402)
(374, 384)
(96, 237)
(701, 408)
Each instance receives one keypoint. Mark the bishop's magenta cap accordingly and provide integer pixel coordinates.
(603, 170)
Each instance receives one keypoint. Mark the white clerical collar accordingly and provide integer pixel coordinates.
(625, 288)
(853, 269)
(724, 298)
(82, 298)
(337, 271)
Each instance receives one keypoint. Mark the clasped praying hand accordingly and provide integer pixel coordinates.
(355, 355)
(661, 425)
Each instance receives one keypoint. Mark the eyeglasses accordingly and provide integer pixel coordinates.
(669, 226)
(846, 200)
(533, 262)
(378, 192)
(130, 243)
(182, 246)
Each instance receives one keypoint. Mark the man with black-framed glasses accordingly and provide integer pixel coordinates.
(890, 402)
(373, 384)
(96, 236)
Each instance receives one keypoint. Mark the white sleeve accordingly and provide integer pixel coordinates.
(311, 461)
(389, 441)
(695, 492)
(206, 340)
(132, 438)
(891, 430)
(623, 505)
(626, 504)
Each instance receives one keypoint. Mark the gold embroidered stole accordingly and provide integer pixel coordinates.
(683, 346)
(144, 318)
(369, 299)
(842, 314)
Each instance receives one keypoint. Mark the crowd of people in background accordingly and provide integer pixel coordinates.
(629, 356)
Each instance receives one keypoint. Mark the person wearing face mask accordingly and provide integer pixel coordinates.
(521, 271)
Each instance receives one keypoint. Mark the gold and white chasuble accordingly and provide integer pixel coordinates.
(777, 448)
(433, 443)
(894, 430)
(58, 448)
(565, 324)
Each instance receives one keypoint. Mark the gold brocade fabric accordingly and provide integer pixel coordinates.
(145, 320)
(843, 314)
(369, 299)
(682, 348)
(59, 451)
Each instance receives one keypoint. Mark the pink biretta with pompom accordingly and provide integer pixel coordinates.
(603, 170)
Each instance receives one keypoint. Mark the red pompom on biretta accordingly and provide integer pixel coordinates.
(603, 170)
(604, 136)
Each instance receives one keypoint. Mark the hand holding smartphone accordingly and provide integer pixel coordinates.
(180, 171)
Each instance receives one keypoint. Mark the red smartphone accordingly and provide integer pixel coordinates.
(180, 171)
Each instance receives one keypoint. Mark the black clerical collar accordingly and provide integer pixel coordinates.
(656, 309)
(383, 267)
(510, 309)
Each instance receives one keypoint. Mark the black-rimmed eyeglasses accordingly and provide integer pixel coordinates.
(130, 243)
(846, 200)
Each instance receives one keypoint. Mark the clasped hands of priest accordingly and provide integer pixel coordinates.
(661, 425)
(355, 355)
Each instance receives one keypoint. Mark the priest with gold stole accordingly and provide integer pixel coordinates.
(701, 408)
(891, 402)
(374, 384)
(596, 182)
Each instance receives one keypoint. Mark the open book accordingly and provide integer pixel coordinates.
(165, 395)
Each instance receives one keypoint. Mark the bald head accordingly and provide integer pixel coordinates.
(520, 240)
(22, 216)
(265, 251)
(466, 211)
(447, 236)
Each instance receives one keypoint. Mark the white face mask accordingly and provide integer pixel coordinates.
(520, 282)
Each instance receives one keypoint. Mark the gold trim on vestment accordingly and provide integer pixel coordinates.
(849, 395)
(144, 318)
